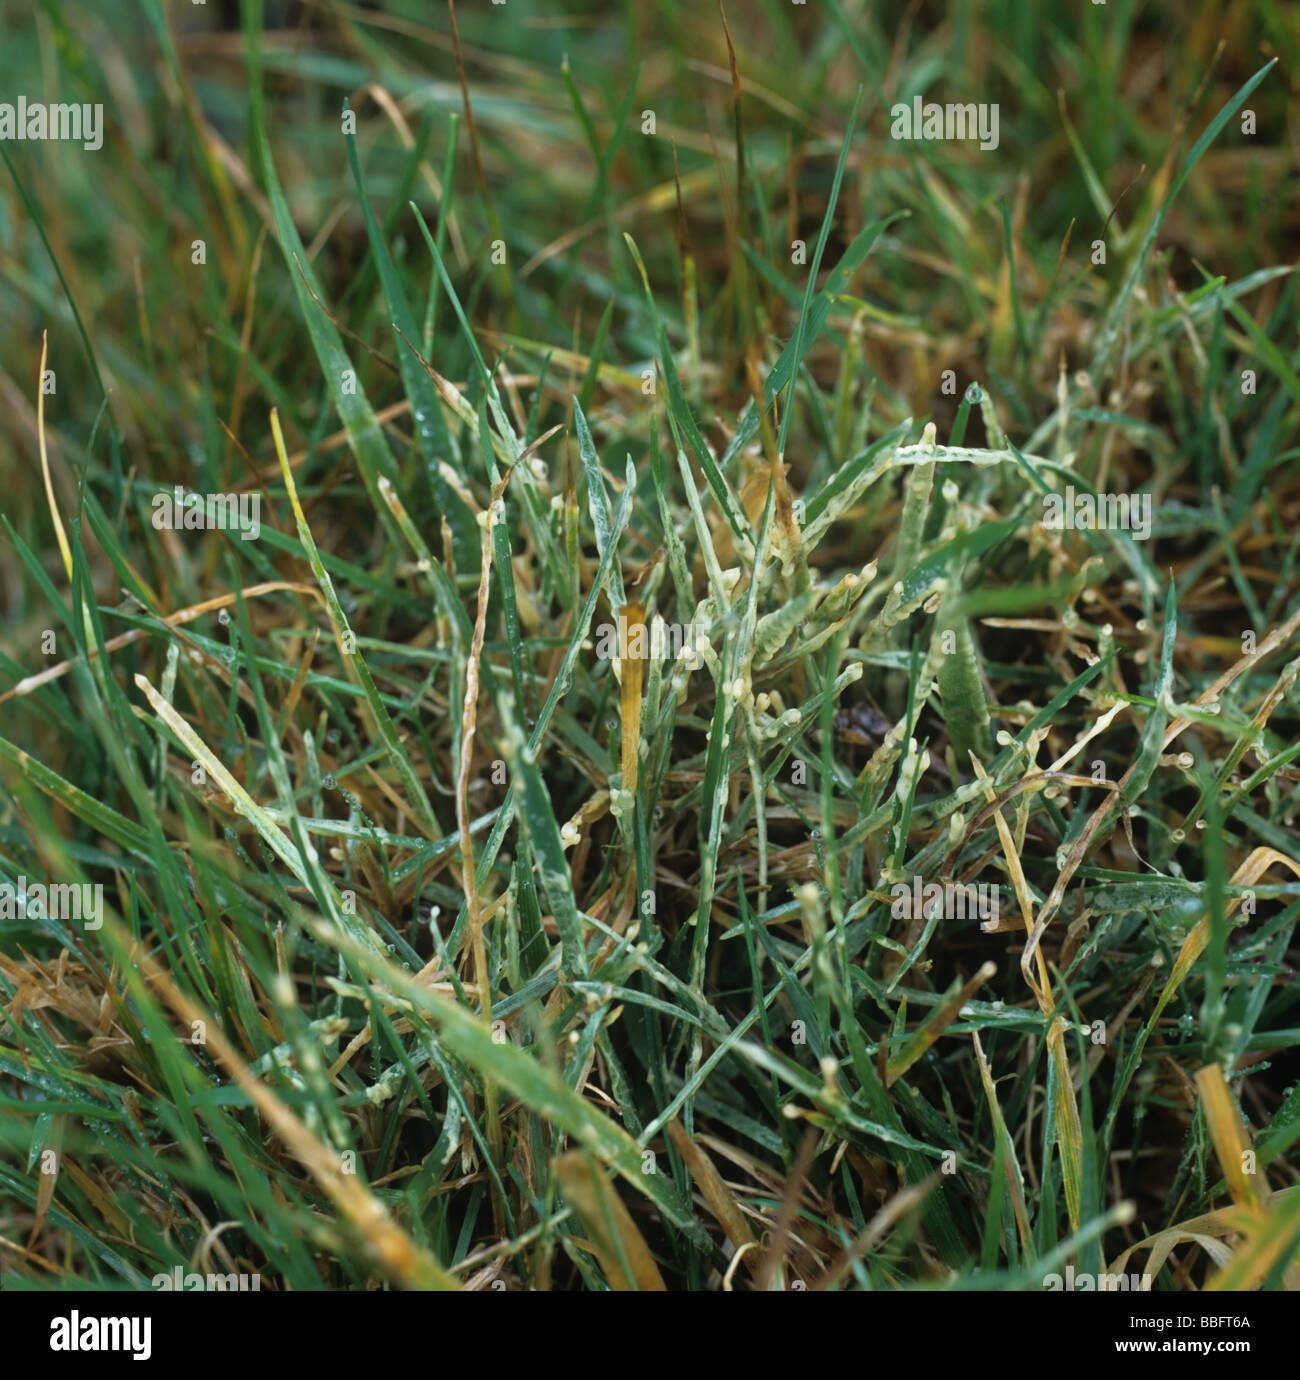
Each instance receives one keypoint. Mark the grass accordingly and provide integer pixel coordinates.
(503, 838)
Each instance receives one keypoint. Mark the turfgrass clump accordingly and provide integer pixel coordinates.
(715, 703)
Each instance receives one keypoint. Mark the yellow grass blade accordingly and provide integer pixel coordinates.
(64, 550)
(1247, 1185)
(632, 618)
(613, 1236)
